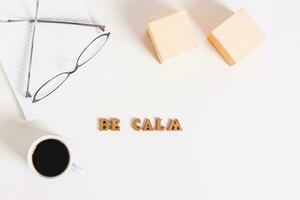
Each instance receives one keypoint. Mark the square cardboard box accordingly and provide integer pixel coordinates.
(236, 37)
(172, 35)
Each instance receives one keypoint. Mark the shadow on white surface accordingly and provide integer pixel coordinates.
(207, 13)
(18, 136)
(140, 14)
(9, 96)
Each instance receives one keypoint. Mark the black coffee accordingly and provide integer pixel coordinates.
(51, 157)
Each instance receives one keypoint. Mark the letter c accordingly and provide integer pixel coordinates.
(135, 124)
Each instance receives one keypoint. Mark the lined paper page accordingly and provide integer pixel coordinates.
(57, 47)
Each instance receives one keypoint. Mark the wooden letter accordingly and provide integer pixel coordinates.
(174, 125)
(115, 124)
(104, 124)
(158, 126)
(135, 124)
(147, 125)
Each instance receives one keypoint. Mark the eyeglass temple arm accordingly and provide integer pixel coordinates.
(28, 95)
(102, 27)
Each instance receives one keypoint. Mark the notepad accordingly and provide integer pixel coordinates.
(57, 47)
(236, 37)
(172, 35)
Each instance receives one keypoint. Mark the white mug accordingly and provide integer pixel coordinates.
(32, 149)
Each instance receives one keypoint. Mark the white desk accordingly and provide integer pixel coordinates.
(241, 125)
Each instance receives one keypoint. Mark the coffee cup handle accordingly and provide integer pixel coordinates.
(77, 169)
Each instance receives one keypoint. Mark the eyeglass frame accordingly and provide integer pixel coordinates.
(35, 21)
(70, 72)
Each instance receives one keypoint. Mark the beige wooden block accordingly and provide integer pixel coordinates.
(172, 35)
(236, 37)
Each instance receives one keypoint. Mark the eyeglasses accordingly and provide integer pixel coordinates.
(89, 52)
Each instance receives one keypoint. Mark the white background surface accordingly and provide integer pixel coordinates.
(241, 137)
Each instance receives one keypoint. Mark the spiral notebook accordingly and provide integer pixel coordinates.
(57, 47)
